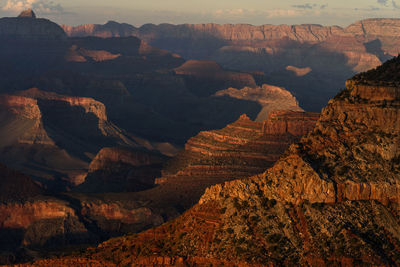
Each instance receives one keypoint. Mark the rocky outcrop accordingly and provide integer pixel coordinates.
(118, 169)
(268, 96)
(331, 199)
(27, 14)
(27, 27)
(282, 122)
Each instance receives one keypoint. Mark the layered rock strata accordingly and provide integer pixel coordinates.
(332, 199)
(242, 149)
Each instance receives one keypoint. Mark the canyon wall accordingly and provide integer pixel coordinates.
(331, 199)
(331, 54)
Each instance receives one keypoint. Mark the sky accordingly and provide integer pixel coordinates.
(256, 12)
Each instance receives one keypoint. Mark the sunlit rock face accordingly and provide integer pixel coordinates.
(241, 149)
(333, 198)
(269, 97)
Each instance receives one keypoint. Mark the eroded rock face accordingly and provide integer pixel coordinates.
(333, 198)
(268, 96)
(242, 149)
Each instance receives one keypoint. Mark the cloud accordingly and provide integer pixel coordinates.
(370, 8)
(383, 2)
(245, 13)
(305, 6)
(278, 13)
(40, 6)
(312, 6)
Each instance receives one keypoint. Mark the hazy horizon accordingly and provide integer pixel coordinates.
(256, 12)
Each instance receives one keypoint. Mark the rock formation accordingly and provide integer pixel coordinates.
(332, 199)
(241, 149)
(121, 169)
(268, 96)
(52, 135)
(27, 14)
(27, 27)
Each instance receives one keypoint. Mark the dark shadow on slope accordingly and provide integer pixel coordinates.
(375, 47)
(72, 128)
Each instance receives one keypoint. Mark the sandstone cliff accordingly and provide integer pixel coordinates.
(331, 199)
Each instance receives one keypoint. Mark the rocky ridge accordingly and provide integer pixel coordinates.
(332, 199)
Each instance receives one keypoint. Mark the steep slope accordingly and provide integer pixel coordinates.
(332, 199)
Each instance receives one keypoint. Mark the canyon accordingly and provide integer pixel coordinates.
(331, 199)
(73, 219)
(331, 54)
(196, 142)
